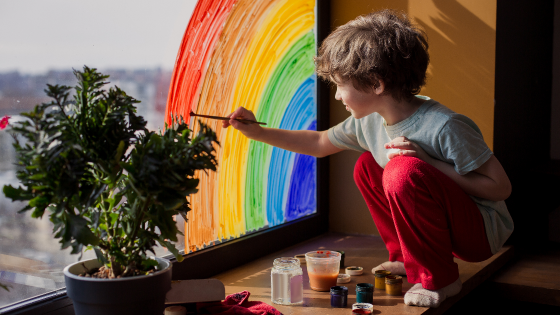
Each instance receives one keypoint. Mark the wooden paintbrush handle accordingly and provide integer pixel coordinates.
(245, 121)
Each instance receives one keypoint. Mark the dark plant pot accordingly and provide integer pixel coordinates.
(131, 295)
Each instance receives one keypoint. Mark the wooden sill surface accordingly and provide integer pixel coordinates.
(533, 277)
(360, 250)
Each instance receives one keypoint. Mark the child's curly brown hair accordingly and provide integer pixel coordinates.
(382, 45)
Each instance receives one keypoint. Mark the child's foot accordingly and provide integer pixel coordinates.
(395, 267)
(419, 296)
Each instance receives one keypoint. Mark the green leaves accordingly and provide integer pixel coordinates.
(16, 194)
(78, 228)
(106, 181)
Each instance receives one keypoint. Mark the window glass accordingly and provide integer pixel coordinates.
(136, 42)
(265, 64)
(259, 55)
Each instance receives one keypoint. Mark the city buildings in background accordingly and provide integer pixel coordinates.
(21, 92)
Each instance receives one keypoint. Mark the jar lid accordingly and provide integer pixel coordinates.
(354, 270)
(286, 262)
(339, 289)
(175, 310)
(362, 306)
(343, 278)
(381, 273)
(364, 287)
(301, 258)
(391, 279)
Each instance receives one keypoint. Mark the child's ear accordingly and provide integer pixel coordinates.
(379, 88)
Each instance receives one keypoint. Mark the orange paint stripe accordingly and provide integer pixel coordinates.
(206, 224)
(199, 40)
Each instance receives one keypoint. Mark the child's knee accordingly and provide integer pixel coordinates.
(403, 173)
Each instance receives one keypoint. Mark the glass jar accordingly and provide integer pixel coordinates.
(362, 308)
(286, 281)
(393, 285)
(380, 278)
(364, 293)
(339, 296)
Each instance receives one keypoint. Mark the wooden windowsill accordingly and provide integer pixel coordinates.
(364, 251)
(531, 277)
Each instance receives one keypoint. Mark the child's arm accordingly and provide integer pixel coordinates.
(489, 181)
(315, 143)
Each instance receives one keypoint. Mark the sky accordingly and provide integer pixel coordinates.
(40, 35)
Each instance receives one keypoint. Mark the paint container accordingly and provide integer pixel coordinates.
(380, 278)
(364, 293)
(175, 310)
(286, 281)
(322, 267)
(339, 296)
(343, 278)
(301, 258)
(393, 285)
(362, 308)
(341, 258)
(354, 270)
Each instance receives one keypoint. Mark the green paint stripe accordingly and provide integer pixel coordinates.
(293, 69)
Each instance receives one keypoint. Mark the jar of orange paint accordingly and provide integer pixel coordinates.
(380, 278)
(393, 285)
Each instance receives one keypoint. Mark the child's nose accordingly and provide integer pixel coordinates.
(337, 95)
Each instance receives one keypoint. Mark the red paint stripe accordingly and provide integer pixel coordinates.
(197, 46)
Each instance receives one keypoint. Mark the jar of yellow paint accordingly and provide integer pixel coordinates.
(393, 285)
(380, 278)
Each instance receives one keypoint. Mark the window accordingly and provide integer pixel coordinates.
(136, 42)
(133, 41)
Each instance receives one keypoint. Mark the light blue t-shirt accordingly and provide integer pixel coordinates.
(444, 135)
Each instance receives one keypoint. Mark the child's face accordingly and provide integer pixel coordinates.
(357, 102)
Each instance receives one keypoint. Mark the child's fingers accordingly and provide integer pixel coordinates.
(236, 113)
(242, 113)
(234, 124)
(399, 145)
(401, 153)
(407, 152)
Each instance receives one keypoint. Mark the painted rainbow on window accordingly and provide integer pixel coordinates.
(257, 54)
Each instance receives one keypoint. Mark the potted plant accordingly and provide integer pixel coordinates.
(111, 186)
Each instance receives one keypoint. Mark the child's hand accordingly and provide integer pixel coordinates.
(407, 148)
(249, 130)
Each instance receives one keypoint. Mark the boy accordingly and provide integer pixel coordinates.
(434, 189)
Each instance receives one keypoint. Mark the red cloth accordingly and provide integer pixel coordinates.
(424, 218)
(237, 303)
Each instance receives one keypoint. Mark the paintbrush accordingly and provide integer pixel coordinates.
(245, 121)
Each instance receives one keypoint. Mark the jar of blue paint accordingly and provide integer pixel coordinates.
(364, 293)
(339, 296)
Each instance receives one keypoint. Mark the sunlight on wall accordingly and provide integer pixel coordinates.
(461, 36)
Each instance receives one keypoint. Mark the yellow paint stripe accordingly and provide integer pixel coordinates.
(286, 22)
(206, 223)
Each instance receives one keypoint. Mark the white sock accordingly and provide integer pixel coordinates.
(419, 296)
(395, 267)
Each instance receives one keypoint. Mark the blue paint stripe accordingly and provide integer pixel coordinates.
(299, 115)
(302, 195)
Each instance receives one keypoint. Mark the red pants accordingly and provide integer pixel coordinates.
(424, 218)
